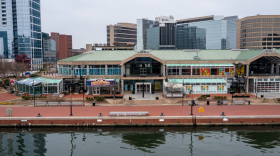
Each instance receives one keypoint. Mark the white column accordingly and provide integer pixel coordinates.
(122, 87)
(150, 88)
(135, 88)
(277, 68)
(85, 83)
(163, 70)
(123, 70)
(272, 68)
(247, 85)
(87, 70)
(247, 70)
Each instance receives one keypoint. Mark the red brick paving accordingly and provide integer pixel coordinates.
(153, 110)
(7, 96)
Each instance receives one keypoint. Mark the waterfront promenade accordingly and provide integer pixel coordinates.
(91, 111)
(173, 115)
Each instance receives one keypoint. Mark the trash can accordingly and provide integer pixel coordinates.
(93, 103)
(130, 98)
(207, 102)
(157, 98)
(249, 102)
(262, 96)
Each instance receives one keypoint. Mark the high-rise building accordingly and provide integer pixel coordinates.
(20, 30)
(161, 34)
(258, 32)
(49, 49)
(121, 34)
(142, 26)
(63, 45)
(208, 32)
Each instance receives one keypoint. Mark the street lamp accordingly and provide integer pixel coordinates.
(114, 92)
(191, 92)
(183, 94)
(33, 92)
(71, 102)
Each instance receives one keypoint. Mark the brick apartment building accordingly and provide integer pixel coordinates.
(63, 45)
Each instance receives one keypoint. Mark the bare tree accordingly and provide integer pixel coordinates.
(4, 68)
(18, 68)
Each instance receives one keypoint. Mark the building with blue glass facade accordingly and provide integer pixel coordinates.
(49, 49)
(142, 26)
(161, 34)
(20, 30)
(209, 32)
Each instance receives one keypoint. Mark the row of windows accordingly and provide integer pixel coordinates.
(36, 35)
(35, 28)
(125, 40)
(261, 20)
(125, 36)
(35, 20)
(35, 6)
(35, 13)
(259, 29)
(120, 31)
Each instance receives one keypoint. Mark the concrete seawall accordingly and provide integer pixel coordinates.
(138, 121)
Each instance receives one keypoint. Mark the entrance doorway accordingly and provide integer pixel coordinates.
(147, 87)
(94, 90)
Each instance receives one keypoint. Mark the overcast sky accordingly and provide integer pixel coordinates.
(86, 20)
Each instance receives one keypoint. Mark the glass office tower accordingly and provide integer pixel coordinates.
(142, 26)
(211, 32)
(21, 20)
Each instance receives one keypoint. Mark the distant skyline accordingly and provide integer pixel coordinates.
(86, 20)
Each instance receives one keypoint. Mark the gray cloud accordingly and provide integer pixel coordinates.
(86, 20)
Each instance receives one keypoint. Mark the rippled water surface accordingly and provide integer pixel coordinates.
(165, 141)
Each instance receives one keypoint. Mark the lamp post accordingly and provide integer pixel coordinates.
(71, 102)
(183, 94)
(114, 92)
(191, 91)
(33, 92)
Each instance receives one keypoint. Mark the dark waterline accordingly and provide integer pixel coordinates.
(156, 141)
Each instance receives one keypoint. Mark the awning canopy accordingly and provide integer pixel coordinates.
(39, 80)
(203, 65)
(174, 85)
(195, 81)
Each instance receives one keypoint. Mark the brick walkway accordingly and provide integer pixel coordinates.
(153, 110)
(7, 96)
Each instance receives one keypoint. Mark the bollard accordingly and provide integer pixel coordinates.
(161, 114)
(207, 102)
(38, 115)
(223, 114)
(249, 102)
(100, 115)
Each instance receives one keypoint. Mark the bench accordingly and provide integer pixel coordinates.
(128, 113)
(41, 103)
(53, 103)
(241, 102)
(195, 102)
(77, 103)
(64, 103)
(222, 102)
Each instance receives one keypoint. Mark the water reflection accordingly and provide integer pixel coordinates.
(141, 141)
(144, 141)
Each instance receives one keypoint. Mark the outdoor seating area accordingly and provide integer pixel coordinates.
(59, 104)
(128, 113)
